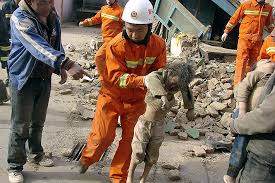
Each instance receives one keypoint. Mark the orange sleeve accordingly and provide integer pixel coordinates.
(234, 19)
(117, 70)
(93, 20)
(263, 54)
(160, 61)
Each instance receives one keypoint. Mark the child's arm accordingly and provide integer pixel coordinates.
(188, 101)
(154, 83)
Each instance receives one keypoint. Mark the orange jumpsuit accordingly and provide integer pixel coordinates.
(112, 24)
(254, 17)
(122, 94)
(268, 49)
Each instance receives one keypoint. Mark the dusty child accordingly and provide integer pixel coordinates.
(248, 94)
(149, 130)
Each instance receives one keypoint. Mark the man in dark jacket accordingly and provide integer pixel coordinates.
(260, 124)
(36, 53)
(7, 9)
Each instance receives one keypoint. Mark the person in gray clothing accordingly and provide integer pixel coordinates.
(248, 92)
(260, 125)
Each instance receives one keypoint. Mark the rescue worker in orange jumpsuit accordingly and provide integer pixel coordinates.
(110, 18)
(130, 56)
(254, 16)
(268, 48)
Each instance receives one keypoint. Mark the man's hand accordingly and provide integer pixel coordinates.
(77, 72)
(81, 24)
(224, 36)
(190, 115)
(64, 76)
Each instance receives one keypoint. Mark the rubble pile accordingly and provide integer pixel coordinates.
(212, 89)
(214, 102)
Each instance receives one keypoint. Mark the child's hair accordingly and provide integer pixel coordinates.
(183, 70)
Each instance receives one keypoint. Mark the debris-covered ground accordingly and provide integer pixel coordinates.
(194, 151)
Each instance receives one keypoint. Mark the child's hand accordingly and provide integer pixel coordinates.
(165, 103)
(190, 115)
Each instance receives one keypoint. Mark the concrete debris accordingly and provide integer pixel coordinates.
(219, 130)
(87, 114)
(203, 122)
(223, 144)
(211, 52)
(174, 175)
(171, 166)
(230, 69)
(193, 133)
(218, 106)
(93, 101)
(226, 120)
(229, 94)
(170, 125)
(70, 48)
(199, 151)
(196, 82)
(200, 111)
(95, 44)
(82, 111)
(66, 92)
(214, 136)
(66, 152)
(183, 136)
(212, 111)
(208, 149)
(174, 132)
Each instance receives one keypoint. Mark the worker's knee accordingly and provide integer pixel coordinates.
(102, 141)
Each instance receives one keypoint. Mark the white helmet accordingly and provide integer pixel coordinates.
(138, 12)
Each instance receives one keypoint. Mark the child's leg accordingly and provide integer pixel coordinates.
(139, 144)
(131, 171)
(152, 150)
(238, 155)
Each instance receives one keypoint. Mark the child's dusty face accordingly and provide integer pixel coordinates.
(110, 2)
(172, 83)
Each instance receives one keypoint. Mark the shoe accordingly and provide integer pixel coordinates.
(228, 179)
(46, 162)
(82, 168)
(16, 177)
(41, 159)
